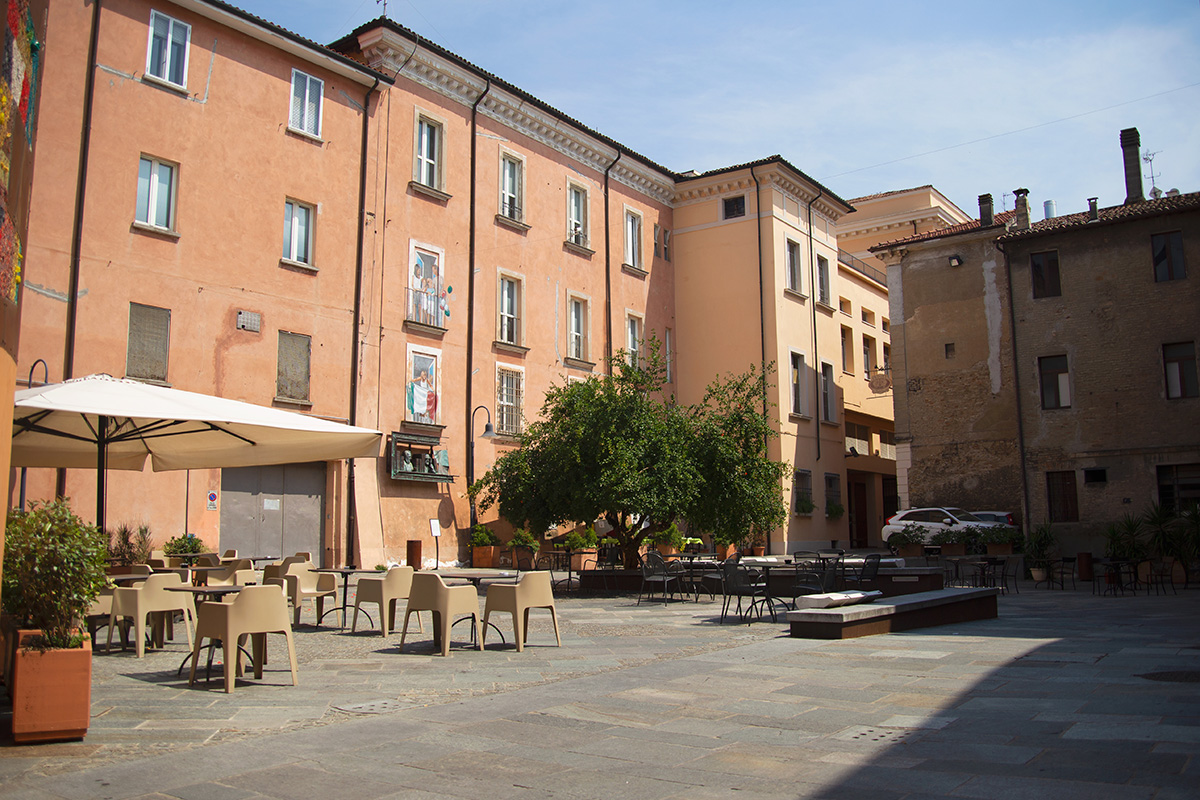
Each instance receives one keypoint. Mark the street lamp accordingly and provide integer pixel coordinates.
(488, 433)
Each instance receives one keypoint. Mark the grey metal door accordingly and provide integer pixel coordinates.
(274, 510)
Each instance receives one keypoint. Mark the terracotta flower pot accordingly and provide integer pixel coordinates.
(725, 551)
(758, 551)
(51, 692)
(484, 557)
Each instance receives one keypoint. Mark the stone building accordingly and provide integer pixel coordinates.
(1050, 367)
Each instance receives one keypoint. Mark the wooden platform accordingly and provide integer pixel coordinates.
(901, 613)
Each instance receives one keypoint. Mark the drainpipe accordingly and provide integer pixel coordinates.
(470, 459)
(1012, 323)
(762, 310)
(608, 337)
(813, 288)
(85, 140)
(351, 510)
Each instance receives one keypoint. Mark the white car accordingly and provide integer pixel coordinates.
(934, 520)
(1005, 517)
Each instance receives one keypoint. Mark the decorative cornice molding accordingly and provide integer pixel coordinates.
(387, 51)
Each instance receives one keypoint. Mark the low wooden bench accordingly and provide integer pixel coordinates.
(889, 614)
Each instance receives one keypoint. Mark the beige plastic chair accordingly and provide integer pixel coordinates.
(254, 612)
(229, 555)
(299, 582)
(277, 569)
(240, 571)
(532, 590)
(148, 597)
(430, 593)
(141, 569)
(100, 612)
(208, 560)
(385, 591)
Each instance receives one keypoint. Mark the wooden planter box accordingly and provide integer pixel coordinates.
(51, 692)
(485, 557)
(1000, 549)
(911, 550)
(954, 549)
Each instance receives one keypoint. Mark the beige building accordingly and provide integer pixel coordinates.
(1050, 368)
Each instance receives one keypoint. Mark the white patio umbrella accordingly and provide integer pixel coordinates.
(109, 423)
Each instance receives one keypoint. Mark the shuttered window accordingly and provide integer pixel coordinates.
(149, 340)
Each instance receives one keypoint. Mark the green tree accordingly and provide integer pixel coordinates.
(618, 448)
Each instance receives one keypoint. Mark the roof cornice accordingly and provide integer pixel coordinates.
(775, 173)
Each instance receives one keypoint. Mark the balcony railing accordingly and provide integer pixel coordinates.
(877, 275)
(423, 307)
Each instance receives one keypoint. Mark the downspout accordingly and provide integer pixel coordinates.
(813, 288)
(85, 140)
(351, 510)
(762, 307)
(608, 338)
(470, 459)
(1012, 323)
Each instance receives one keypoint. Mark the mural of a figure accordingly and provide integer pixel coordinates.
(422, 389)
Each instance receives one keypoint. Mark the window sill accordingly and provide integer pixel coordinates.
(421, 327)
(579, 363)
(151, 381)
(637, 272)
(504, 437)
(509, 222)
(314, 138)
(821, 304)
(509, 347)
(845, 313)
(801, 296)
(298, 265)
(831, 423)
(428, 428)
(146, 227)
(578, 249)
(291, 401)
(793, 417)
(430, 192)
(162, 83)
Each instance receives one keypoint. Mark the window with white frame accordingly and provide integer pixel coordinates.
(868, 351)
(512, 186)
(633, 338)
(633, 239)
(306, 103)
(156, 193)
(425, 286)
(510, 393)
(577, 216)
(793, 265)
(149, 342)
(802, 500)
(1179, 363)
(167, 50)
(423, 382)
(297, 232)
(428, 157)
(1055, 379)
(847, 351)
(887, 445)
(577, 338)
(508, 327)
(828, 393)
(796, 378)
(292, 372)
(823, 280)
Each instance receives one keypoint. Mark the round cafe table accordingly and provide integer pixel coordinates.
(345, 572)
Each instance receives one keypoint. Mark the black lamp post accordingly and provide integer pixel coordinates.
(488, 433)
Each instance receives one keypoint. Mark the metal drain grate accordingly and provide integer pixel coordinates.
(376, 707)
(868, 734)
(1184, 676)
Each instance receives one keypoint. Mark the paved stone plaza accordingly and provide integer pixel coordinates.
(1048, 701)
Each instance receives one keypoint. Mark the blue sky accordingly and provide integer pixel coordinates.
(864, 96)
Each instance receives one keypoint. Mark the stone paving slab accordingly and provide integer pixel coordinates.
(661, 702)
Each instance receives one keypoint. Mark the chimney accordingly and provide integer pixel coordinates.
(987, 211)
(1093, 211)
(1021, 219)
(1050, 209)
(1131, 141)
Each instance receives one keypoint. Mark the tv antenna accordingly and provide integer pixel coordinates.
(384, 4)
(1148, 158)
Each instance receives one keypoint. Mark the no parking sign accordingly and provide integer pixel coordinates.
(212, 501)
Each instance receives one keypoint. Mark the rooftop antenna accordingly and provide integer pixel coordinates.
(384, 4)
(1148, 158)
(1004, 201)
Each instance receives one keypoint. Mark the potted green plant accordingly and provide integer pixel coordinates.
(53, 570)
(186, 544)
(582, 546)
(668, 541)
(999, 541)
(909, 541)
(952, 541)
(128, 546)
(523, 540)
(834, 509)
(485, 547)
(805, 506)
(1039, 548)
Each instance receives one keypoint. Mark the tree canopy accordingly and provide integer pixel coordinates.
(617, 448)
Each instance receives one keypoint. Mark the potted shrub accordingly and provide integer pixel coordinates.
(834, 510)
(668, 541)
(1039, 547)
(952, 541)
(582, 546)
(523, 542)
(53, 570)
(485, 547)
(187, 544)
(909, 541)
(128, 546)
(999, 541)
(805, 506)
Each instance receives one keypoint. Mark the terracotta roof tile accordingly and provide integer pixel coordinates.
(1108, 216)
(878, 195)
(973, 226)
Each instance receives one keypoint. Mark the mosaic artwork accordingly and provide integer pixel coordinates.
(19, 73)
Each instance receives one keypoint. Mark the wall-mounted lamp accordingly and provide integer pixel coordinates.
(853, 453)
(956, 261)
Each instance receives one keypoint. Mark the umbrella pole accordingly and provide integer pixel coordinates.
(101, 465)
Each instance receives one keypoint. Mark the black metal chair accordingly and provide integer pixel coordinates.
(868, 573)
(655, 572)
(1064, 570)
(742, 582)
